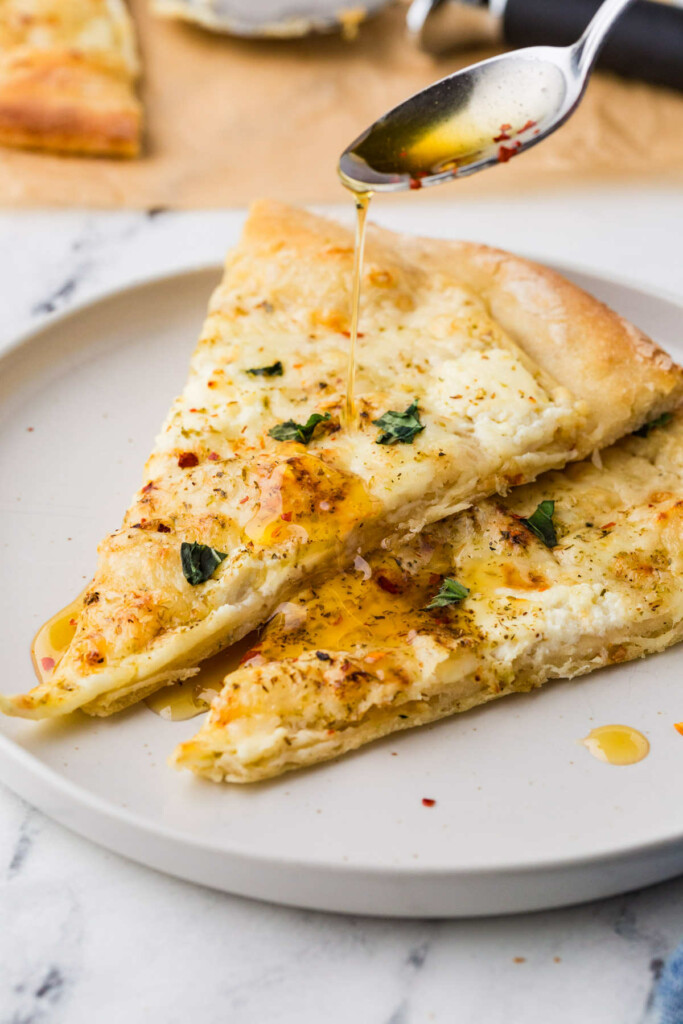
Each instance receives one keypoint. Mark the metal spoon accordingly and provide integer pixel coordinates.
(477, 117)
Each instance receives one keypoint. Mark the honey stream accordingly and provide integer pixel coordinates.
(362, 200)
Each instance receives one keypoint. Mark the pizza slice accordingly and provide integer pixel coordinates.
(67, 77)
(581, 569)
(477, 370)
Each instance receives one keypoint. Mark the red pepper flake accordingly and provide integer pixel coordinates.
(253, 653)
(194, 410)
(415, 183)
(525, 128)
(678, 726)
(148, 487)
(242, 500)
(503, 137)
(287, 516)
(427, 801)
(47, 664)
(186, 460)
(505, 152)
(505, 127)
(375, 656)
(608, 526)
(519, 959)
(389, 585)
(214, 456)
(162, 528)
(211, 384)
(72, 622)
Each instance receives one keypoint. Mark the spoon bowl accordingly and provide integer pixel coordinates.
(477, 117)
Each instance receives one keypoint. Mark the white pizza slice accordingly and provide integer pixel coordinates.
(581, 569)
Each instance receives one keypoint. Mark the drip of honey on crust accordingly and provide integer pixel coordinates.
(305, 497)
(366, 605)
(617, 744)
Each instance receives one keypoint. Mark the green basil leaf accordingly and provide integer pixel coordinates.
(267, 371)
(541, 523)
(660, 421)
(301, 432)
(450, 592)
(199, 562)
(398, 427)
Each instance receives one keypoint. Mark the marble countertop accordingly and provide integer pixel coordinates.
(89, 938)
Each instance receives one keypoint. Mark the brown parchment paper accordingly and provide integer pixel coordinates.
(229, 120)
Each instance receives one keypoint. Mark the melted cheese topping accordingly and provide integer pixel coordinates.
(362, 656)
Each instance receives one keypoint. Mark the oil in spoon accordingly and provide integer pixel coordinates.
(362, 200)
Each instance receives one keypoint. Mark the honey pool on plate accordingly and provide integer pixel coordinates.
(617, 744)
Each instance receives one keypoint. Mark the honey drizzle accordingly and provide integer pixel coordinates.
(362, 201)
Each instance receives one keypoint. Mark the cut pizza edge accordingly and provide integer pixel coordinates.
(610, 592)
(622, 378)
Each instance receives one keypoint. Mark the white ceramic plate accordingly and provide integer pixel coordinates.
(525, 818)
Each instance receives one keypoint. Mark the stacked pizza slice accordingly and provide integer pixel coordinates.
(394, 587)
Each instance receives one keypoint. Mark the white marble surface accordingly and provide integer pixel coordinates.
(88, 938)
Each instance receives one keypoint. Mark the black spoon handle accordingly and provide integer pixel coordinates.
(646, 42)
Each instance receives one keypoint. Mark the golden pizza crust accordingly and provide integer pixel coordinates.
(497, 410)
